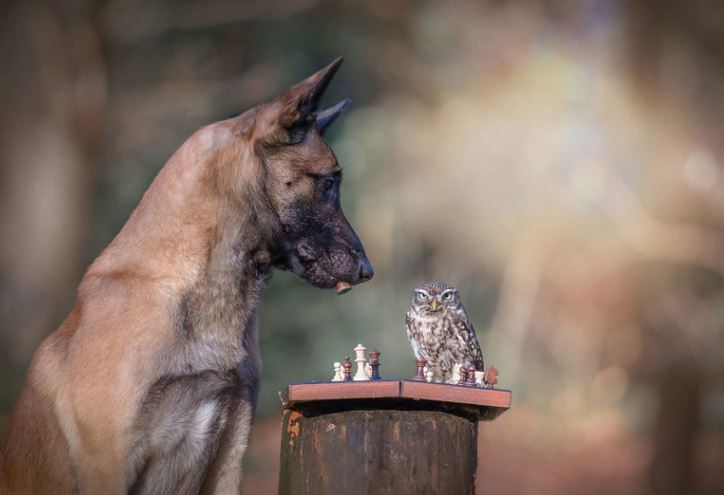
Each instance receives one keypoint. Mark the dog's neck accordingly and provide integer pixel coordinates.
(214, 253)
(217, 314)
(185, 225)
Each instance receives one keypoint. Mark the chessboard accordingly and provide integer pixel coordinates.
(490, 402)
(467, 388)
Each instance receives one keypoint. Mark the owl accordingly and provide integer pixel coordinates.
(440, 331)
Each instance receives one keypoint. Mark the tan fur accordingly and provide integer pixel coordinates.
(150, 384)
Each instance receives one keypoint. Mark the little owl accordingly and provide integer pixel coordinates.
(440, 331)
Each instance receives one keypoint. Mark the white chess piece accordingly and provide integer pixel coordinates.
(429, 374)
(479, 378)
(360, 374)
(338, 372)
(455, 373)
(368, 370)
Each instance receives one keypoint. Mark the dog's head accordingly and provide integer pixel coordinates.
(301, 181)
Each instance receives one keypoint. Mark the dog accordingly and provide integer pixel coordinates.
(150, 384)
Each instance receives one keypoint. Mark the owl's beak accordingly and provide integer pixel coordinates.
(434, 304)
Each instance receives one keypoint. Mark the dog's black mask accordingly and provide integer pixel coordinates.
(316, 241)
(320, 245)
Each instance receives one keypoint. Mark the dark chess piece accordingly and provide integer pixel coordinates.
(347, 366)
(463, 376)
(375, 364)
(491, 376)
(470, 380)
(420, 374)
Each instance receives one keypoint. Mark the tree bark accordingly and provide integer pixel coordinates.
(371, 450)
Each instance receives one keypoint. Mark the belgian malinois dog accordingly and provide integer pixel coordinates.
(150, 384)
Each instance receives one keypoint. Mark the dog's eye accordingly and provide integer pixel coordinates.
(327, 185)
(297, 133)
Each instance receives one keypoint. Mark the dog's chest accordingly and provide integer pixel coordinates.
(216, 324)
(178, 429)
(212, 368)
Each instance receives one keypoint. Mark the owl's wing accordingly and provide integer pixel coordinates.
(410, 322)
(465, 333)
(412, 330)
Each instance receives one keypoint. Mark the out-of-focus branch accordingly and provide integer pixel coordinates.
(134, 21)
(518, 294)
(136, 110)
(671, 242)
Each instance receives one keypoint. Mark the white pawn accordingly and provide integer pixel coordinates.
(360, 374)
(338, 372)
(429, 374)
(479, 375)
(455, 374)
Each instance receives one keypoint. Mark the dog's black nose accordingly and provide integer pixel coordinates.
(365, 270)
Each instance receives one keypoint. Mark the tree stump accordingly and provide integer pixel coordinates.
(384, 437)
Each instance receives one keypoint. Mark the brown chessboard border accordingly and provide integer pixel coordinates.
(397, 389)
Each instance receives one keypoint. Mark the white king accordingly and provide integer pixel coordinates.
(361, 373)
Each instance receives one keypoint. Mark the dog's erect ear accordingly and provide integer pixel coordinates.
(326, 117)
(302, 100)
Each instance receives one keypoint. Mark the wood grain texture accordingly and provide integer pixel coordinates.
(490, 403)
(301, 392)
(459, 394)
(377, 451)
(382, 437)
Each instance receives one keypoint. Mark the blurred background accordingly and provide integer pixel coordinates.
(560, 162)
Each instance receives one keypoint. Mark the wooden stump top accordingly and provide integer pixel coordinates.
(486, 403)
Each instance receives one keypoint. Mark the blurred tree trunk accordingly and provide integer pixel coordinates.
(52, 97)
(663, 37)
(676, 425)
(673, 367)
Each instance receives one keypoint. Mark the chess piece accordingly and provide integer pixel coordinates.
(338, 374)
(463, 375)
(361, 374)
(420, 374)
(470, 379)
(491, 376)
(455, 374)
(347, 367)
(342, 288)
(375, 364)
(479, 375)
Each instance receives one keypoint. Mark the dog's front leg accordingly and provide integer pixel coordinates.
(225, 473)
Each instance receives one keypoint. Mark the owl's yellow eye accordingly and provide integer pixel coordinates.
(447, 296)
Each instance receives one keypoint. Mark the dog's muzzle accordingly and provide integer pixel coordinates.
(326, 267)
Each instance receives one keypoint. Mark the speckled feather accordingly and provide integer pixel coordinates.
(443, 337)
